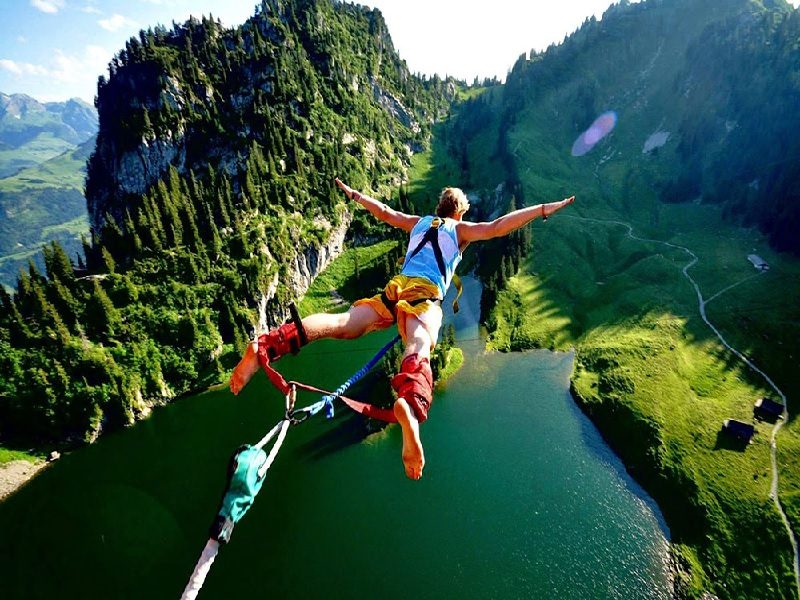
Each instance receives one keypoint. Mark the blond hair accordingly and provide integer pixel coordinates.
(451, 202)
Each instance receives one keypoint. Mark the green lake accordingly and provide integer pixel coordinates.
(520, 498)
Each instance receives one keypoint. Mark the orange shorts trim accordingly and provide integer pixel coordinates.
(402, 290)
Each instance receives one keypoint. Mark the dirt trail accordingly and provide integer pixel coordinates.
(702, 308)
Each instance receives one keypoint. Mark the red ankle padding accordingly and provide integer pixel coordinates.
(414, 383)
(278, 342)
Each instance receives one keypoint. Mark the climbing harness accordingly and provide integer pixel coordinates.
(249, 464)
(431, 237)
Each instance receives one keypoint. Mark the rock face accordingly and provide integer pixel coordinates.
(311, 261)
(304, 268)
(394, 106)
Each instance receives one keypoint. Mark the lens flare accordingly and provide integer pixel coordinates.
(601, 127)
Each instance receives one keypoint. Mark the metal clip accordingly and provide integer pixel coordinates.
(295, 419)
(291, 398)
(291, 415)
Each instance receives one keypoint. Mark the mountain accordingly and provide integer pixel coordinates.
(32, 132)
(709, 116)
(41, 204)
(43, 152)
(703, 154)
(210, 188)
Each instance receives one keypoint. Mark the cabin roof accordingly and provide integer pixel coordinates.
(769, 406)
(738, 428)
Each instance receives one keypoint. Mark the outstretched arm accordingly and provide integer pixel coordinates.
(388, 215)
(475, 232)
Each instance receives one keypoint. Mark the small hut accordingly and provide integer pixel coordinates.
(736, 429)
(765, 408)
(759, 263)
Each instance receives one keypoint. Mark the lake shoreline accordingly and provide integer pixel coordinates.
(15, 474)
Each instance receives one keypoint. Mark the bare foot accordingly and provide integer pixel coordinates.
(246, 368)
(413, 457)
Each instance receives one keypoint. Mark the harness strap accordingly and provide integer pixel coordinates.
(432, 237)
(459, 288)
(276, 378)
(392, 304)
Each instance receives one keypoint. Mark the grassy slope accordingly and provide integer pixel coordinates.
(648, 364)
(38, 150)
(653, 376)
(7, 455)
(40, 204)
(65, 169)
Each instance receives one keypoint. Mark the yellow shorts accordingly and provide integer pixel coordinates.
(404, 291)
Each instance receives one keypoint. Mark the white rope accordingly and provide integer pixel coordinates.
(212, 546)
(269, 435)
(201, 570)
(284, 425)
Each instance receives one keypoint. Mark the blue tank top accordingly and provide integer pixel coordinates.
(424, 263)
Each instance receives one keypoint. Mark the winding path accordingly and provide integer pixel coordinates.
(702, 307)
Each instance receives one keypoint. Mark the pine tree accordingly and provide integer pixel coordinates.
(57, 263)
(100, 315)
(108, 260)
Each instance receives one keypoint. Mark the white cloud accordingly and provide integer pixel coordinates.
(21, 69)
(22, 39)
(116, 22)
(48, 6)
(92, 10)
(66, 76)
(87, 66)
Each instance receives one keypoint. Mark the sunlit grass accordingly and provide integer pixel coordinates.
(337, 286)
(7, 455)
(644, 352)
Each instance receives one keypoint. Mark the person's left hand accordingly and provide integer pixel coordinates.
(348, 191)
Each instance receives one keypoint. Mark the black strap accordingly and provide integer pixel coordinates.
(301, 332)
(392, 304)
(432, 236)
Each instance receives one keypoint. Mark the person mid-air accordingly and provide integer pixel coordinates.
(411, 299)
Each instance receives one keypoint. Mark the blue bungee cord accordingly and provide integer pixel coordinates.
(326, 401)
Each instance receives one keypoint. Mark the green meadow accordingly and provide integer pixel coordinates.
(38, 150)
(652, 375)
(42, 203)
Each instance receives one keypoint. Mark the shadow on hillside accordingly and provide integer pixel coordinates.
(727, 442)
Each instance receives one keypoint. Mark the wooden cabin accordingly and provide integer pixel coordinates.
(739, 430)
(768, 409)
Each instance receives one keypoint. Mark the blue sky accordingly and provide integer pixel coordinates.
(56, 49)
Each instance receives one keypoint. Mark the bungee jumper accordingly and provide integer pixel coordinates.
(412, 299)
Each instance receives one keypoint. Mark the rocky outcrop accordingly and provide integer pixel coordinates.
(311, 261)
(304, 268)
(133, 172)
(394, 106)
